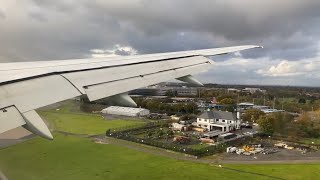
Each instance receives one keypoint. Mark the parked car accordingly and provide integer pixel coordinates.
(231, 149)
(246, 125)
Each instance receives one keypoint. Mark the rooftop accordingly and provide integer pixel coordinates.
(218, 115)
(245, 104)
(123, 109)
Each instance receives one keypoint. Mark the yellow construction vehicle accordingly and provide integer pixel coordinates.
(247, 148)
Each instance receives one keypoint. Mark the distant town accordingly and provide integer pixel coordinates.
(194, 120)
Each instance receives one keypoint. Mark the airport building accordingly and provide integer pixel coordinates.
(125, 111)
(245, 105)
(163, 91)
(253, 90)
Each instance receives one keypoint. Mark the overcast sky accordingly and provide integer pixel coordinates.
(33, 30)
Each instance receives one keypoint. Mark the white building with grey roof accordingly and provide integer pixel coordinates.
(219, 120)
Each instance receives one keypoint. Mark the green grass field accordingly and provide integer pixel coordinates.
(70, 158)
(83, 123)
(70, 119)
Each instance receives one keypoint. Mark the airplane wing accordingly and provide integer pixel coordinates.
(26, 86)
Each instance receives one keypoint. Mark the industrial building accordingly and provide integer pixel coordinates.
(245, 105)
(253, 90)
(163, 91)
(125, 111)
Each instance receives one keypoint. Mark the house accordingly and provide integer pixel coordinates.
(219, 120)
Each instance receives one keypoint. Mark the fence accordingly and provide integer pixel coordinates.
(128, 132)
(136, 127)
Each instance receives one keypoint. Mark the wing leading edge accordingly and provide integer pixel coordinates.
(27, 86)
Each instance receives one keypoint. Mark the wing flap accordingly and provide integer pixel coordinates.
(35, 93)
(10, 118)
(99, 91)
(98, 76)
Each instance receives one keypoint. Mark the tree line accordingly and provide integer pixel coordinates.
(159, 106)
(282, 123)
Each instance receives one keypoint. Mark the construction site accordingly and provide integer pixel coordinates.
(270, 151)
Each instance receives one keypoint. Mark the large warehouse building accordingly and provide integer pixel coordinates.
(125, 111)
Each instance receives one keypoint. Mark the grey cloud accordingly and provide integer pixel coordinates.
(2, 14)
(38, 17)
(272, 72)
(45, 29)
(122, 53)
(59, 6)
(232, 22)
(170, 42)
(153, 26)
(225, 18)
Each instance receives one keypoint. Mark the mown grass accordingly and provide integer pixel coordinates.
(67, 118)
(70, 158)
(83, 123)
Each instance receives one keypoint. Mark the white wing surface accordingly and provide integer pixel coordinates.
(26, 86)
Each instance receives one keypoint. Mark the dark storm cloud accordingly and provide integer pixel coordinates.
(284, 27)
(170, 42)
(228, 22)
(63, 29)
(43, 33)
